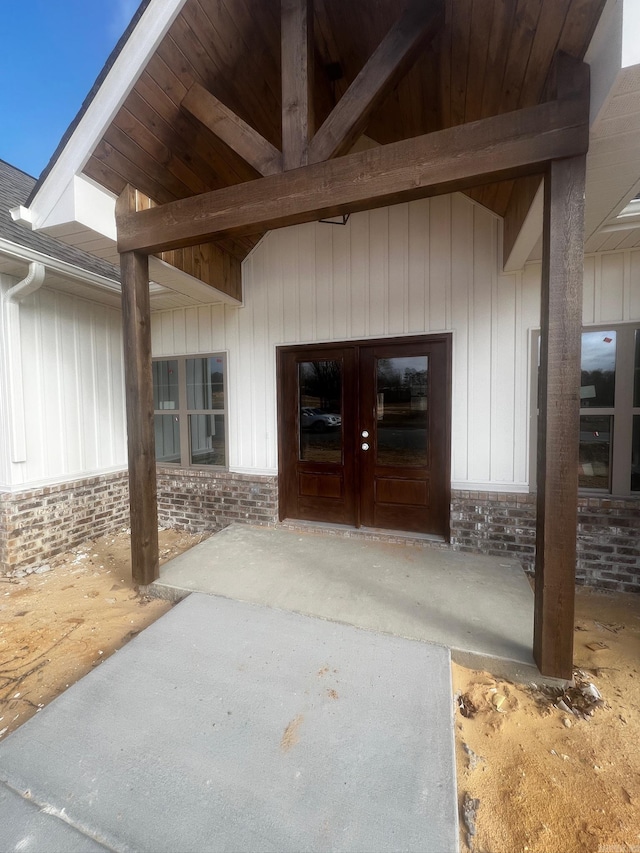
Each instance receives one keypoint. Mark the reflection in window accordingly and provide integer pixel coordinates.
(402, 411)
(595, 451)
(320, 408)
(167, 433)
(206, 433)
(597, 384)
(165, 384)
(205, 383)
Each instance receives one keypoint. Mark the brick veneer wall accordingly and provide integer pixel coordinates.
(36, 525)
(206, 501)
(505, 525)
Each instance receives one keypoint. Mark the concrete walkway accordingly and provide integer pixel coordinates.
(227, 726)
(469, 603)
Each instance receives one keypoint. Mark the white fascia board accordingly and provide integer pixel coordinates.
(86, 203)
(615, 46)
(181, 282)
(123, 75)
(529, 233)
(604, 56)
(630, 33)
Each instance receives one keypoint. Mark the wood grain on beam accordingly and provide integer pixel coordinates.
(136, 326)
(347, 121)
(258, 152)
(559, 416)
(499, 147)
(297, 81)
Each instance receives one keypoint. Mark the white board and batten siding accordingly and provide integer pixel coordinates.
(73, 389)
(425, 267)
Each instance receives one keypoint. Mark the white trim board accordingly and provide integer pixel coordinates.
(120, 80)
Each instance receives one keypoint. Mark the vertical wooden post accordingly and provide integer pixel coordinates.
(297, 81)
(136, 323)
(559, 418)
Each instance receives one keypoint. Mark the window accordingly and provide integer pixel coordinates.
(189, 399)
(609, 460)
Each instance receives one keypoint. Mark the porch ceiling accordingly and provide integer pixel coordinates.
(489, 57)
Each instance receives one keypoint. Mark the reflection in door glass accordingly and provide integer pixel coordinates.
(635, 455)
(402, 415)
(320, 407)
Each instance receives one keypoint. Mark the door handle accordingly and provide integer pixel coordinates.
(365, 446)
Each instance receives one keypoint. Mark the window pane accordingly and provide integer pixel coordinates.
(598, 369)
(165, 384)
(167, 430)
(595, 452)
(636, 373)
(320, 404)
(635, 455)
(401, 412)
(205, 383)
(207, 439)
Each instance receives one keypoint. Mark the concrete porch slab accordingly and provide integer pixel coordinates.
(231, 727)
(476, 604)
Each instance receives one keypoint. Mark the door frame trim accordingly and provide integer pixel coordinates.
(439, 337)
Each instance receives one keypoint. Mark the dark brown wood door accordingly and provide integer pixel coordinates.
(364, 433)
(317, 411)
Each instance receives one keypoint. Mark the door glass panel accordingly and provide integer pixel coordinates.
(635, 455)
(165, 384)
(598, 375)
(207, 437)
(320, 407)
(167, 433)
(402, 393)
(595, 451)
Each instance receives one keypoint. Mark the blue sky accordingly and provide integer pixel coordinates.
(52, 52)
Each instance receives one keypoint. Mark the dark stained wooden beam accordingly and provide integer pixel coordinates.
(297, 81)
(418, 24)
(491, 149)
(559, 416)
(258, 152)
(136, 326)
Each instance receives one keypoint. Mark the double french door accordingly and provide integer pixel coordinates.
(364, 430)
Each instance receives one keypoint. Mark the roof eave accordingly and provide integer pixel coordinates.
(120, 73)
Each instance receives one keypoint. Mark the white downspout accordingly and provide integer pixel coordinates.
(30, 284)
(13, 356)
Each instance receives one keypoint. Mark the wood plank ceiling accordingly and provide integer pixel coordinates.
(490, 57)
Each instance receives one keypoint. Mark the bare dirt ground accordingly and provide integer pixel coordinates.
(534, 777)
(57, 625)
(545, 780)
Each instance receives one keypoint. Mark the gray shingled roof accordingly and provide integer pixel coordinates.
(15, 187)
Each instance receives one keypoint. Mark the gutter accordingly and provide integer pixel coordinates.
(22, 253)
